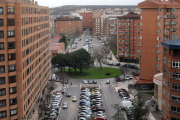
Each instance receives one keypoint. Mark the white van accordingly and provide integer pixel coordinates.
(126, 104)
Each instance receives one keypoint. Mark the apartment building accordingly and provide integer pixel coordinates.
(97, 25)
(24, 56)
(128, 35)
(86, 18)
(158, 22)
(66, 25)
(171, 80)
(110, 27)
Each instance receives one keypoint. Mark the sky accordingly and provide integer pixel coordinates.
(57, 3)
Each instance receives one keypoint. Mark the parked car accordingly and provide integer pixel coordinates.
(130, 77)
(85, 82)
(94, 82)
(107, 81)
(125, 104)
(100, 118)
(127, 77)
(90, 82)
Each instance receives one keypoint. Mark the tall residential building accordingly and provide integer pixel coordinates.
(24, 56)
(110, 27)
(158, 22)
(128, 35)
(66, 25)
(86, 18)
(97, 21)
(171, 80)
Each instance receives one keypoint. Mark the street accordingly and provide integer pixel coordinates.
(109, 95)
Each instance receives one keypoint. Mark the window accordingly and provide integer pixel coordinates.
(158, 59)
(11, 33)
(27, 31)
(1, 46)
(12, 67)
(11, 22)
(175, 98)
(26, 20)
(176, 64)
(11, 45)
(12, 90)
(159, 31)
(166, 16)
(158, 38)
(158, 65)
(2, 92)
(159, 17)
(158, 45)
(165, 60)
(3, 114)
(165, 50)
(165, 71)
(158, 24)
(26, 9)
(1, 22)
(175, 110)
(2, 80)
(159, 10)
(10, 10)
(1, 34)
(2, 69)
(1, 57)
(1, 10)
(13, 112)
(13, 101)
(2, 103)
(11, 56)
(12, 79)
(175, 76)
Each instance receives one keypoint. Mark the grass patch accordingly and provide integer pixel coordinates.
(92, 73)
(149, 93)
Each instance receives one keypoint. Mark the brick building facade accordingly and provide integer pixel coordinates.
(128, 35)
(25, 56)
(64, 25)
(171, 80)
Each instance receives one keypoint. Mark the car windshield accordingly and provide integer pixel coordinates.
(74, 97)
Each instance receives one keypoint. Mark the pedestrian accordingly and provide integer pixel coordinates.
(71, 83)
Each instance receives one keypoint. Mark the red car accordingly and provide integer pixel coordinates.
(100, 118)
(122, 90)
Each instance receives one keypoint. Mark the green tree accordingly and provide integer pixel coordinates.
(63, 39)
(118, 115)
(140, 111)
(84, 59)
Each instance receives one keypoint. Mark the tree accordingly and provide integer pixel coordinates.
(140, 111)
(98, 55)
(60, 60)
(84, 59)
(118, 115)
(63, 39)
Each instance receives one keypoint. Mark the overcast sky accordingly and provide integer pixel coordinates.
(56, 3)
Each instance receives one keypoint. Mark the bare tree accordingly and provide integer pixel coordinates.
(98, 55)
(63, 76)
(112, 42)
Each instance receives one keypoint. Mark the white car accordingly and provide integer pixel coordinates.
(127, 77)
(126, 99)
(130, 77)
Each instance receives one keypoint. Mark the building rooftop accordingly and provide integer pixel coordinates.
(57, 46)
(131, 15)
(55, 39)
(68, 19)
(172, 44)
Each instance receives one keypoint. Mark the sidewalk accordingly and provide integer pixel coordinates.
(35, 116)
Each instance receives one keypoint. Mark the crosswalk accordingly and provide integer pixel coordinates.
(101, 85)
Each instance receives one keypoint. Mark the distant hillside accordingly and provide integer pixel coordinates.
(64, 10)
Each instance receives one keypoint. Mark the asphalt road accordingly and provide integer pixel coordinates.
(108, 93)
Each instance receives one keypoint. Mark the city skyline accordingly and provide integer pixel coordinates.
(57, 3)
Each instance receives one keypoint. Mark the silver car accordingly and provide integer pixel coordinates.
(65, 105)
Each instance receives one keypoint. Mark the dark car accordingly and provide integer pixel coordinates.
(98, 109)
(124, 95)
(129, 114)
(90, 82)
(94, 82)
(68, 94)
(122, 90)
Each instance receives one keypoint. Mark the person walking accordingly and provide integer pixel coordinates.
(71, 83)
